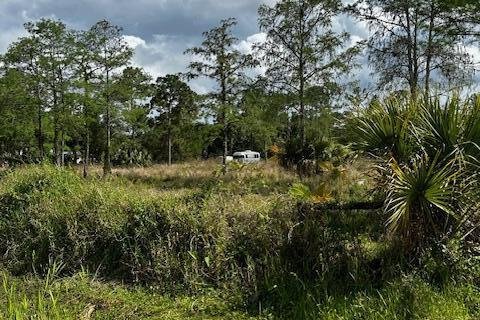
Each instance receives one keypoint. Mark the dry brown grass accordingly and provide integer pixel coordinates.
(343, 183)
(197, 169)
(192, 174)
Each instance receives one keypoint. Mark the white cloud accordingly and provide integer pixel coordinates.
(160, 30)
(474, 51)
(246, 46)
(163, 55)
(356, 39)
(133, 41)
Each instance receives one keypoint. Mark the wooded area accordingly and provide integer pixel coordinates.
(73, 94)
(114, 203)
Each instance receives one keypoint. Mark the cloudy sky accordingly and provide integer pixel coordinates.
(159, 30)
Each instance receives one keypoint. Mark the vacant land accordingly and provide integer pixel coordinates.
(186, 242)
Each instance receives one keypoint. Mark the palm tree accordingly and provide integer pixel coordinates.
(429, 151)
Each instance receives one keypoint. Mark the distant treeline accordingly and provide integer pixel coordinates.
(72, 95)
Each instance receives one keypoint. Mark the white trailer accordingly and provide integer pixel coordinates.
(246, 156)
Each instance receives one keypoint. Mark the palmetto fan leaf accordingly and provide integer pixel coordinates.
(432, 173)
(450, 127)
(440, 126)
(420, 194)
(471, 128)
(384, 127)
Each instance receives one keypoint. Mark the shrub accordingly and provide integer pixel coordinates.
(420, 200)
(430, 147)
(176, 238)
(383, 128)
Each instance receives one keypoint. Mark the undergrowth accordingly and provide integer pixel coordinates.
(190, 243)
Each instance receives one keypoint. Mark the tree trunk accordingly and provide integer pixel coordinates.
(169, 136)
(40, 132)
(415, 56)
(41, 149)
(301, 74)
(410, 51)
(56, 130)
(86, 153)
(75, 155)
(86, 156)
(107, 168)
(224, 122)
(63, 148)
(302, 118)
(62, 117)
(169, 148)
(429, 48)
(225, 146)
(56, 145)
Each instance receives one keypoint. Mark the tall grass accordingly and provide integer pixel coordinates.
(41, 304)
(126, 231)
(189, 231)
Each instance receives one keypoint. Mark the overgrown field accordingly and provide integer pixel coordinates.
(185, 242)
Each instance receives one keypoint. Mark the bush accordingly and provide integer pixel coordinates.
(129, 232)
(428, 149)
(130, 154)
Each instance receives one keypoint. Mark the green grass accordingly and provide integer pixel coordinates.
(81, 297)
(185, 242)
(406, 298)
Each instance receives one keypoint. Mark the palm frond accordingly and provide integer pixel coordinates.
(440, 126)
(471, 128)
(420, 194)
(383, 128)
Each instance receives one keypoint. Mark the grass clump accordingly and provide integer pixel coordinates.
(126, 231)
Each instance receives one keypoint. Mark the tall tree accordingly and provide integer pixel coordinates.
(131, 93)
(54, 41)
(17, 117)
(416, 41)
(85, 70)
(111, 53)
(218, 59)
(262, 118)
(45, 55)
(174, 102)
(24, 56)
(132, 90)
(302, 50)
